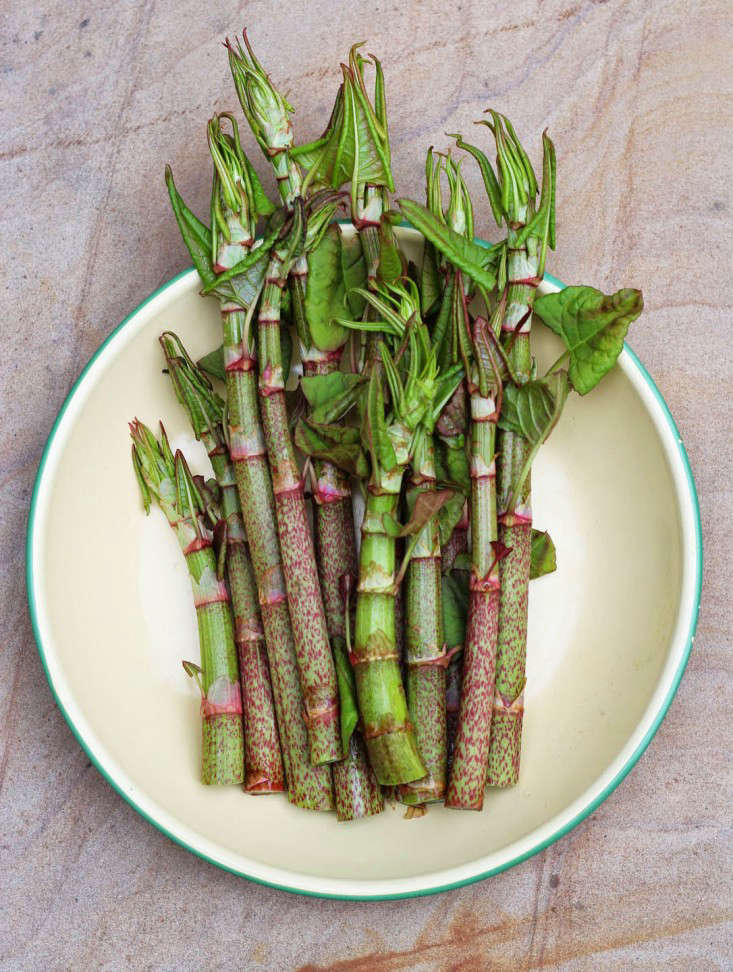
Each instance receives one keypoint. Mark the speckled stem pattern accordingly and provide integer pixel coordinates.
(425, 650)
(262, 756)
(388, 730)
(457, 544)
(313, 651)
(515, 527)
(471, 751)
(308, 786)
(355, 786)
(334, 521)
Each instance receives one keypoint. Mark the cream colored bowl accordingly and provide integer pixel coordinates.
(609, 632)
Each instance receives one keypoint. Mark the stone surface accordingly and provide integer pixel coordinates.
(96, 98)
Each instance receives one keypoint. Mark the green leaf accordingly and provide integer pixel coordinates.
(340, 444)
(449, 515)
(532, 409)
(543, 555)
(593, 327)
(213, 363)
(331, 396)
(353, 269)
(474, 260)
(196, 235)
(455, 607)
(324, 294)
(349, 711)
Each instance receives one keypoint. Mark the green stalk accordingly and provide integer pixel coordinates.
(313, 652)
(388, 730)
(356, 790)
(263, 760)
(167, 479)
(426, 670)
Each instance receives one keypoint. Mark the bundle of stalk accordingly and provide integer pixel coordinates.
(389, 442)
(263, 761)
(451, 482)
(166, 479)
(526, 409)
(232, 266)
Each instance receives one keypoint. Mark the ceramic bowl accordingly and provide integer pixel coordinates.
(609, 632)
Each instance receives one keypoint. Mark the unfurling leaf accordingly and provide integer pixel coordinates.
(455, 607)
(478, 262)
(430, 288)
(426, 506)
(330, 396)
(543, 557)
(593, 327)
(348, 708)
(324, 294)
(390, 267)
(340, 444)
(532, 409)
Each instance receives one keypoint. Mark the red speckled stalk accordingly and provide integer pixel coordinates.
(355, 786)
(262, 757)
(308, 786)
(470, 758)
(425, 653)
(313, 651)
(515, 532)
(457, 544)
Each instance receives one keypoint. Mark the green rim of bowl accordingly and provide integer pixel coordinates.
(378, 896)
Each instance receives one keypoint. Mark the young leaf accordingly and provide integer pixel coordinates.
(449, 515)
(543, 557)
(213, 363)
(474, 260)
(491, 183)
(593, 327)
(455, 607)
(426, 506)
(324, 294)
(532, 409)
(196, 235)
(340, 444)
(349, 711)
(330, 396)
(353, 269)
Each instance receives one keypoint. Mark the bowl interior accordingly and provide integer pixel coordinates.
(115, 618)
